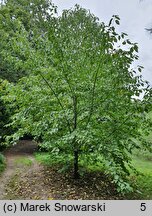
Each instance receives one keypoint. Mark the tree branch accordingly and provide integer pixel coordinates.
(93, 95)
(49, 85)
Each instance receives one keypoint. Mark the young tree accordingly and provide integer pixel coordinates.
(80, 96)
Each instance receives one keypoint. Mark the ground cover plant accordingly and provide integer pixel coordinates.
(2, 163)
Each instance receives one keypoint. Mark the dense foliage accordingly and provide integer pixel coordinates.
(14, 16)
(4, 115)
(80, 94)
(2, 163)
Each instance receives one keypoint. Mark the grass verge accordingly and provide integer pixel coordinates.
(144, 179)
(23, 161)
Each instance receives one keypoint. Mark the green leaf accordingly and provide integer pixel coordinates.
(117, 22)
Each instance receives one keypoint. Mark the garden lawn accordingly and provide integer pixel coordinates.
(143, 164)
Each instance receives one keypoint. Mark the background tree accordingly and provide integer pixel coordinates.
(34, 17)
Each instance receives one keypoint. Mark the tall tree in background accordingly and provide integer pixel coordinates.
(34, 17)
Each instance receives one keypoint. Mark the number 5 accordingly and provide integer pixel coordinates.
(143, 207)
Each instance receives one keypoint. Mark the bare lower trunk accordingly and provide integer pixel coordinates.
(76, 153)
(76, 164)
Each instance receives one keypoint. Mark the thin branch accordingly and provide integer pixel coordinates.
(122, 123)
(93, 95)
(75, 111)
(49, 85)
(150, 30)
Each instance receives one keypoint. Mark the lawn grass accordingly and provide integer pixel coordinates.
(143, 164)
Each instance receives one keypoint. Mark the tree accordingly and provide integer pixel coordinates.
(80, 95)
(33, 16)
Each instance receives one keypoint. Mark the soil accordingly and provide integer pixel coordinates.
(35, 181)
(24, 149)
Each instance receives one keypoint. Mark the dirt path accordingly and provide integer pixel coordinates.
(24, 178)
(15, 164)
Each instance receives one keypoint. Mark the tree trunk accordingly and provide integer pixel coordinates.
(76, 153)
(76, 164)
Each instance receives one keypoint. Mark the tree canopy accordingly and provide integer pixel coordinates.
(33, 16)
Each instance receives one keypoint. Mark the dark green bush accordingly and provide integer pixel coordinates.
(4, 115)
(2, 159)
(2, 163)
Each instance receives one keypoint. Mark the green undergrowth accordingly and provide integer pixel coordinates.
(23, 161)
(144, 155)
(43, 158)
(2, 163)
(143, 164)
(2, 168)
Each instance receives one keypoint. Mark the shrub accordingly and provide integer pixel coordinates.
(4, 115)
(2, 163)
